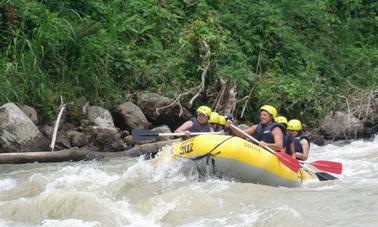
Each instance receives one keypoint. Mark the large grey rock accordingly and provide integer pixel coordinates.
(30, 112)
(77, 139)
(316, 139)
(129, 140)
(17, 132)
(341, 125)
(47, 131)
(243, 126)
(371, 118)
(149, 102)
(61, 142)
(132, 116)
(106, 139)
(100, 117)
(163, 129)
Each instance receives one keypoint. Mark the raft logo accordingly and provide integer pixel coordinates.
(252, 147)
(186, 148)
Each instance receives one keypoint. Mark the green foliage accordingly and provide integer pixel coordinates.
(300, 54)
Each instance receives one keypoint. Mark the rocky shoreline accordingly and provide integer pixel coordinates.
(98, 133)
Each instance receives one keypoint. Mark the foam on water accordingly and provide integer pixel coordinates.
(7, 184)
(162, 192)
(79, 178)
(163, 167)
(359, 158)
(69, 223)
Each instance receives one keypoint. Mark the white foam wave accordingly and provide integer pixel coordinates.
(69, 223)
(7, 184)
(161, 169)
(359, 158)
(79, 178)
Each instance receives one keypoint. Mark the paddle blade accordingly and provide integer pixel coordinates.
(142, 134)
(287, 160)
(325, 176)
(328, 166)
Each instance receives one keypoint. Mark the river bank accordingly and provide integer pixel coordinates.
(96, 129)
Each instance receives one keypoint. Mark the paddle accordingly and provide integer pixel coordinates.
(142, 134)
(322, 176)
(286, 159)
(327, 166)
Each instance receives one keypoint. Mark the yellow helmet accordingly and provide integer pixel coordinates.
(214, 118)
(294, 125)
(282, 120)
(205, 110)
(222, 120)
(270, 109)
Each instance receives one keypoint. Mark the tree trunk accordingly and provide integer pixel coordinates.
(73, 154)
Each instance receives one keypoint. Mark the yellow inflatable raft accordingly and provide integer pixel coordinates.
(239, 160)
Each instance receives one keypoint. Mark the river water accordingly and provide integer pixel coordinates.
(138, 192)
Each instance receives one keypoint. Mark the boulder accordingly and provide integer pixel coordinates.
(100, 117)
(131, 116)
(129, 140)
(17, 132)
(341, 125)
(85, 123)
(67, 126)
(31, 113)
(149, 102)
(371, 118)
(243, 126)
(106, 139)
(316, 139)
(47, 131)
(77, 139)
(61, 141)
(163, 129)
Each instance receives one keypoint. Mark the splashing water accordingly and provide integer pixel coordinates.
(158, 192)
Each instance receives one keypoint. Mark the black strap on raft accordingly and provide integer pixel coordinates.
(208, 154)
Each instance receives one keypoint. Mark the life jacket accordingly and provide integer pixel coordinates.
(286, 143)
(227, 131)
(264, 132)
(218, 128)
(197, 127)
(297, 142)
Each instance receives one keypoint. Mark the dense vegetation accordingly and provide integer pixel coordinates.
(298, 54)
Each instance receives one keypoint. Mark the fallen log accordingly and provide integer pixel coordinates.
(148, 150)
(76, 154)
(72, 154)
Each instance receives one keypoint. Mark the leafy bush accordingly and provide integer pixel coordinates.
(299, 54)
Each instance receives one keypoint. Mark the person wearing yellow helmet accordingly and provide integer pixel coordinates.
(286, 136)
(197, 124)
(300, 144)
(268, 132)
(282, 120)
(222, 121)
(214, 122)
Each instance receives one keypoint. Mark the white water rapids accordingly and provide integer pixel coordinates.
(138, 192)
